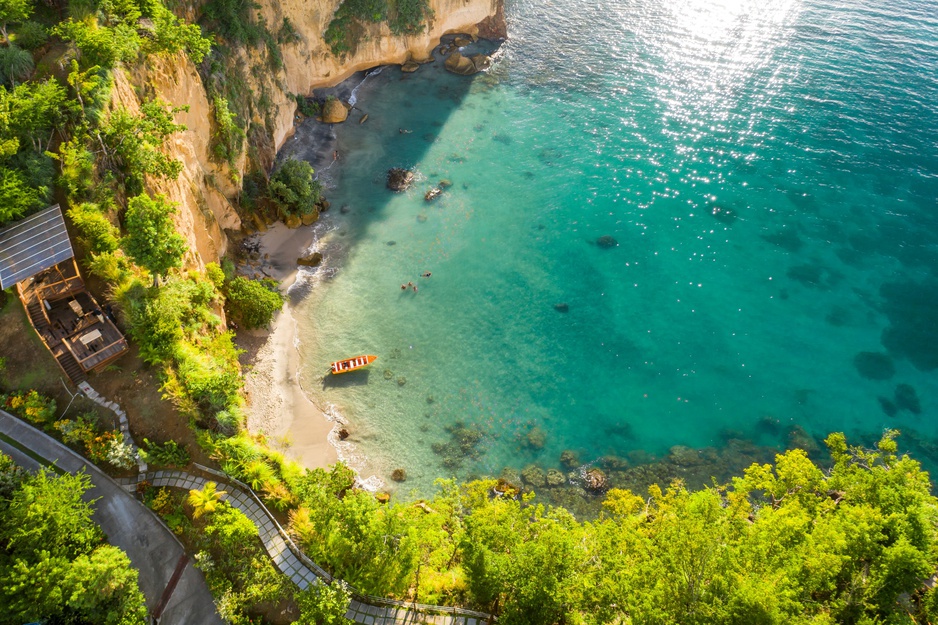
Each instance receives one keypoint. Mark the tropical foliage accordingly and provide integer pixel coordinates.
(253, 302)
(293, 189)
(54, 563)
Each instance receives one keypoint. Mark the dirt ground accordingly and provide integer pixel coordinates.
(128, 381)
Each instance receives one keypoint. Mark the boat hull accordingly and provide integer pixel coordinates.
(352, 364)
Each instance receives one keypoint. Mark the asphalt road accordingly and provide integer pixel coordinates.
(153, 550)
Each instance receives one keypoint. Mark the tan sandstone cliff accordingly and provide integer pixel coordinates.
(205, 188)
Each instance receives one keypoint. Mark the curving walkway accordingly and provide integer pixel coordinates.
(288, 558)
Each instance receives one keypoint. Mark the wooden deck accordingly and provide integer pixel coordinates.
(68, 319)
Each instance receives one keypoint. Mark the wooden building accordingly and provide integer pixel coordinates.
(36, 255)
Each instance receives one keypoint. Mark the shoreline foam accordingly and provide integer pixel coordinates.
(276, 400)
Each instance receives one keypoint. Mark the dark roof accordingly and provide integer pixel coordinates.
(32, 245)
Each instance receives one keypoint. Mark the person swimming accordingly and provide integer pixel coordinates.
(425, 274)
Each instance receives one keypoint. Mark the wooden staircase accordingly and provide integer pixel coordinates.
(71, 367)
(62, 356)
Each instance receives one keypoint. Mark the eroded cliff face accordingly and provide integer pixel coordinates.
(310, 63)
(202, 189)
(205, 189)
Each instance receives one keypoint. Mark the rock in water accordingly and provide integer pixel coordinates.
(481, 62)
(467, 66)
(459, 64)
(534, 476)
(874, 365)
(410, 67)
(312, 260)
(555, 478)
(400, 179)
(334, 112)
(569, 459)
(562, 307)
(594, 480)
(432, 194)
(607, 242)
(310, 218)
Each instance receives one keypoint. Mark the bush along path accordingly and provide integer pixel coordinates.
(288, 558)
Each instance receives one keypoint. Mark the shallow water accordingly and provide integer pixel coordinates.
(669, 223)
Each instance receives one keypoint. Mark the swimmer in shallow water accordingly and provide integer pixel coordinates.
(425, 274)
(404, 131)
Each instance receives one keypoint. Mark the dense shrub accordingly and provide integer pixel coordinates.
(168, 454)
(55, 566)
(253, 302)
(30, 405)
(409, 17)
(293, 189)
(98, 232)
(228, 136)
(31, 35)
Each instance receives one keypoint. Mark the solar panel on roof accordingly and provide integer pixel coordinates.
(32, 245)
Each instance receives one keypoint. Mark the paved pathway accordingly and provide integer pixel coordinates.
(153, 550)
(157, 554)
(292, 562)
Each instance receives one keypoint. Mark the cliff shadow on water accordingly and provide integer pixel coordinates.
(394, 119)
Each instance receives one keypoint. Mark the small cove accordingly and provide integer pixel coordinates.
(681, 227)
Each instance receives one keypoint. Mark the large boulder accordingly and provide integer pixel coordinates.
(310, 218)
(313, 260)
(594, 480)
(400, 179)
(334, 112)
(409, 67)
(467, 66)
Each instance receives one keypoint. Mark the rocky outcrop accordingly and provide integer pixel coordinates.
(334, 112)
(594, 480)
(467, 65)
(312, 260)
(400, 179)
(534, 476)
(206, 189)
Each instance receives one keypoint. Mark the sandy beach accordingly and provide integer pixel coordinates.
(277, 405)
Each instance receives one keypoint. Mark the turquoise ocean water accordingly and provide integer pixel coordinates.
(765, 175)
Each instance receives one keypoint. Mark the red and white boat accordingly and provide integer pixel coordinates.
(351, 364)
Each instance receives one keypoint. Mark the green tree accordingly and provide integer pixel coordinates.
(54, 564)
(293, 189)
(13, 11)
(133, 143)
(17, 197)
(151, 236)
(252, 302)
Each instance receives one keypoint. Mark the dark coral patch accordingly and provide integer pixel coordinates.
(874, 365)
